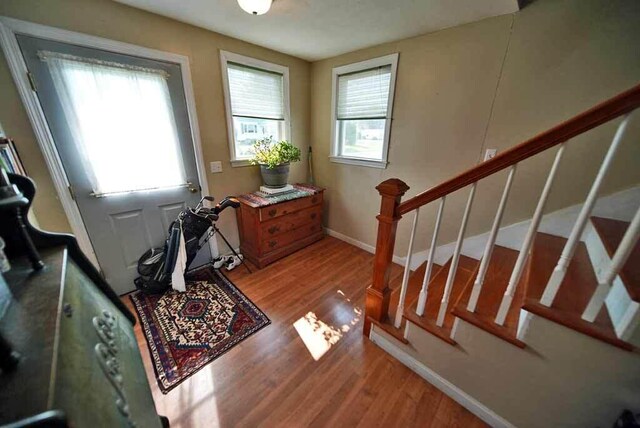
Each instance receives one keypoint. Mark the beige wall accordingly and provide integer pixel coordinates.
(490, 84)
(550, 383)
(119, 22)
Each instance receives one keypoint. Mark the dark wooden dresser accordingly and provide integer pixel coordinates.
(270, 231)
(79, 364)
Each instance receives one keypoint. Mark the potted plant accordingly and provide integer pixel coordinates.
(274, 159)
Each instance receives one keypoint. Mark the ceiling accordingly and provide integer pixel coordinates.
(318, 29)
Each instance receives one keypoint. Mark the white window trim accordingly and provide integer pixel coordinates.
(391, 60)
(225, 58)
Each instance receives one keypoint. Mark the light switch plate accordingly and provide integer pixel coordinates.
(490, 153)
(216, 166)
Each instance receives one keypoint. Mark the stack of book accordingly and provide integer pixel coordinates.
(270, 191)
(9, 158)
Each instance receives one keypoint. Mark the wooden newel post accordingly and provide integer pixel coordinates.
(377, 298)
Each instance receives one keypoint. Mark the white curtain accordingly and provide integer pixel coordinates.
(121, 121)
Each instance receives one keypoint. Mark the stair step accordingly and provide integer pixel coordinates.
(495, 283)
(574, 294)
(413, 291)
(467, 269)
(611, 232)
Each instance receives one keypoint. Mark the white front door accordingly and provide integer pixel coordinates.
(121, 128)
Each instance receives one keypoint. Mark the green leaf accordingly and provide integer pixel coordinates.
(270, 153)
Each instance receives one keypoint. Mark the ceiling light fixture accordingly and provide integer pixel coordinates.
(255, 7)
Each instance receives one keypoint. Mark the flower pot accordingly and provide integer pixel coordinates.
(275, 178)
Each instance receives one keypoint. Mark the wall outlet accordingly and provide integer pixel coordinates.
(490, 153)
(215, 166)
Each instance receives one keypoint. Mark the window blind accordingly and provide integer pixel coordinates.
(255, 93)
(364, 94)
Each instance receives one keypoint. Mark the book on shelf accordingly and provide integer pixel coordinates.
(9, 157)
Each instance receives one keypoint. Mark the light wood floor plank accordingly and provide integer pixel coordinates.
(272, 380)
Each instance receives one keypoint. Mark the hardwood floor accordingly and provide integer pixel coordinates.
(272, 379)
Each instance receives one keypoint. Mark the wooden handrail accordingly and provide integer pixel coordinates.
(614, 107)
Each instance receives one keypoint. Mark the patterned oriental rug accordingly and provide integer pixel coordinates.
(186, 331)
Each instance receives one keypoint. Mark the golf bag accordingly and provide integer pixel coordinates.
(197, 225)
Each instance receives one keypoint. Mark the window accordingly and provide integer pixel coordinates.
(257, 103)
(362, 105)
(102, 99)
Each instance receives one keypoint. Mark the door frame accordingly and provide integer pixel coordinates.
(9, 28)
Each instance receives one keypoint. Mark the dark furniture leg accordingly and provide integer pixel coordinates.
(32, 252)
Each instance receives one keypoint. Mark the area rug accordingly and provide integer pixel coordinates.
(186, 331)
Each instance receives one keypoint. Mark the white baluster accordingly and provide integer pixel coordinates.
(488, 249)
(422, 299)
(572, 243)
(528, 240)
(407, 272)
(617, 263)
(456, 257)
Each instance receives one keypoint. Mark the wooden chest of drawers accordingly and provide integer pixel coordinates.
(268, 233)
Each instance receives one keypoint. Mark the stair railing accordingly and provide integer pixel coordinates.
(604, 286)
(569, 250)
(516, 274)
(392, 210)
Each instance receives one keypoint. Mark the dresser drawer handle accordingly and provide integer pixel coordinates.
(272, 244)
(313, 216)
(274, 229)
(314, 200)
(272, 212)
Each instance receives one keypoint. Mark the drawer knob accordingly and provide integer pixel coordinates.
(272, 244)
(272, 212)
(274, 229)
(313, 216)
(314, 200)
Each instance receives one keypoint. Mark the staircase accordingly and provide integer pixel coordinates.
(546, 335)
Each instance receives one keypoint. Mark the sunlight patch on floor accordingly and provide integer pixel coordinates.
(318, 336)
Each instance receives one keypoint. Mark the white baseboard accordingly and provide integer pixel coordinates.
(458, 395)
(368, 248)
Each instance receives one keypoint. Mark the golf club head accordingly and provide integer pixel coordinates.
(229, 201)
(233, 201)
(204, 198)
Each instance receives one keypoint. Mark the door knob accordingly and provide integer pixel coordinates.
(192, 188)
